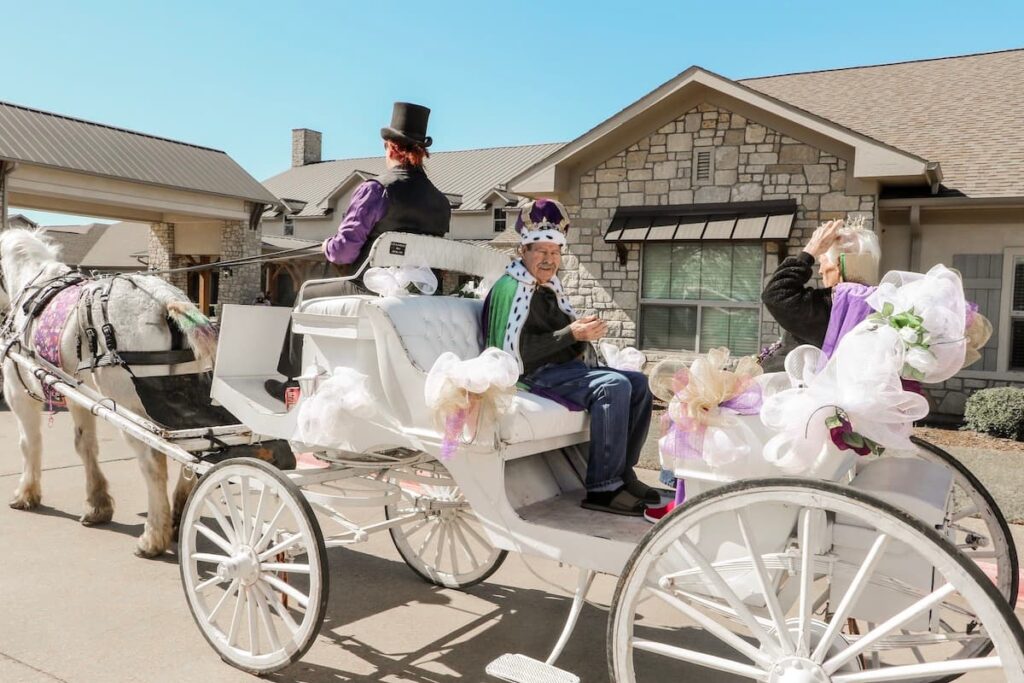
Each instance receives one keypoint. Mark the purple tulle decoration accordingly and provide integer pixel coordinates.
(453, 426)
(972, 313)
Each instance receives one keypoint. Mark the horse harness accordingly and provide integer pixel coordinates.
(34, 300)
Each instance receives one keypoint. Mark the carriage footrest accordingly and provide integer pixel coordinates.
(523, 669)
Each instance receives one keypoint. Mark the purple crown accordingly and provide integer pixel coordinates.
(542, 214)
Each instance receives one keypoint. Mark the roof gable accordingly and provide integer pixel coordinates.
(872, 158)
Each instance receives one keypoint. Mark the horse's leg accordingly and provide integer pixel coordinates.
(99, 506)
(28, 413)
(157, 536)
(186, 482)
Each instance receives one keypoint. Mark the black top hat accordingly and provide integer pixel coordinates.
(408, 125)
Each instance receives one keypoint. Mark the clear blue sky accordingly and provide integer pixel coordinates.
(238, 76)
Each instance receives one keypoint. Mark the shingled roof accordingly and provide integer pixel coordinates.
(967, 113)
(44, 139)
(470, 173)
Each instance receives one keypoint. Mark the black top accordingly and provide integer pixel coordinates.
(546, 337)
(800, 310)
(414, 205)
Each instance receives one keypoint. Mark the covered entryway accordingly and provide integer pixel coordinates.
(197, 203)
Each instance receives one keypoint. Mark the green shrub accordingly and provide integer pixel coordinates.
(996, 412)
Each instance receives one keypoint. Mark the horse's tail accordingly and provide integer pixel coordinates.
(197, 328)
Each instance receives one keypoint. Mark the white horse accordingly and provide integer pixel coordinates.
(138, 311)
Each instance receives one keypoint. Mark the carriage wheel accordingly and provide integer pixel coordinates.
(762, 579)
(979, 528)
(442, 541)
(253, 565)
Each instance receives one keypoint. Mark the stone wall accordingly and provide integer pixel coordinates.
(162, 256)
(749, 162)
(239, 284)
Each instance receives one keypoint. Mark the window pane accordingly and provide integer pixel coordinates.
(669, 327)
(683, 329)
(716, 272)
(1017, 343)
(735, 329)
(1018, 285)
(685, 271)
(746, 272)
(657, 271)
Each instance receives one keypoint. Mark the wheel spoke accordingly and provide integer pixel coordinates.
(763, 580)
(287, 543)
(232, 512)
(212, 581)
(693, 657)
(236, 618)
(215, 538)
(709, 573)
(440, 544)
(287, 589)
(713, 627)
(223, 600)
(452, 550)
(966, 512)
(244, 493)
(419, 525)
(806, 538)
(268, 624)
(860, 580)
(467, 550)
(930, 670)
(254, 625)
(278, 607)
(430, 534)
(268, 532)
(981, 554)
(472, 532)
(885, 628)
(259, 515)
(225, 526)
(285, 567)
(209, 557)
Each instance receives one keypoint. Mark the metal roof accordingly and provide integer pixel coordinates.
(965, 112)
(41, 138)
(470, 173)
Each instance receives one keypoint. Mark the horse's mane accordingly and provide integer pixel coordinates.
(28, 245)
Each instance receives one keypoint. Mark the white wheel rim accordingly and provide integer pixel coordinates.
(749, 643)
(442, 539)
(251, 566)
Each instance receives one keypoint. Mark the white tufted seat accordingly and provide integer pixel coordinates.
(427, 326)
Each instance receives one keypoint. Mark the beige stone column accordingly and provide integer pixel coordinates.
(239, 284)
(162, 256)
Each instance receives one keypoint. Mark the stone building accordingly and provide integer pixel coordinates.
(685, 201)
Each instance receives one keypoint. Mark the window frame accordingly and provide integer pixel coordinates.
(495, 219)
(699, 303)
(1011, 256)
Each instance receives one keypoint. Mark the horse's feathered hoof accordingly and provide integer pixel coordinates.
(97, 515)
(149, 547)
(26, 500)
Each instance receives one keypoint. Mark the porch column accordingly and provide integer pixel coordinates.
(239, 284)
(162, 256)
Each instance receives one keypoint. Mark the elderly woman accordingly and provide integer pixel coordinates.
(848, 257)
(401, 200)
(528, 314)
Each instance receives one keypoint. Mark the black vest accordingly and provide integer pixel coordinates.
(414, 205)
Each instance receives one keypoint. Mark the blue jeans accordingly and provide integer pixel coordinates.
(619, 403)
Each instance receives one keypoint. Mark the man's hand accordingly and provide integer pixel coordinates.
(823, 238)
(589, 328)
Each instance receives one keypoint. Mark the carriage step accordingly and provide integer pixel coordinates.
(523, 669)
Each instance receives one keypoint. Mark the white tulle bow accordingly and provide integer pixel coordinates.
(340, 404)
(395, 280)
(466, 396)
(628, 358)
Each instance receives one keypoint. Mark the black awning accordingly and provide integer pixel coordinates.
(769, 220)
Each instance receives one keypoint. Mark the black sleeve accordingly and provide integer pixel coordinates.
(801, 310)
(543, 347)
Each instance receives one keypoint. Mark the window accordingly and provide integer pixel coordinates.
(499, 219)
(289, 226)
(1017, 316)
(695, 297)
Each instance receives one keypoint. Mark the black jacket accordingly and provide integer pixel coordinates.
(546, 336)
(802, 311)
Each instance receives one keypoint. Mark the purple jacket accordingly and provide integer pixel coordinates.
(368, 205)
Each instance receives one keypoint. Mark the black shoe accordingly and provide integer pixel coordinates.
(277, 388)
(618, 502)
(651, 495)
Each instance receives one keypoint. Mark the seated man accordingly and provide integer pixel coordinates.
(528, 314)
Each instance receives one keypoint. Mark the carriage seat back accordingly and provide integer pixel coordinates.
(430, 325)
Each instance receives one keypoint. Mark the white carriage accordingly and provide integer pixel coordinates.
(855, 574)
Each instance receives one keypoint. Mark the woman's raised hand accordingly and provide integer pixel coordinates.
(823, 238)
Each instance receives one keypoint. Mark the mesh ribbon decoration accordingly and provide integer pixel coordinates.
(628, 358)
(706, 399)
(467, 395)
(340, 405)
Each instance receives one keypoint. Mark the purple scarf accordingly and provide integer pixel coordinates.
(849, 308)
